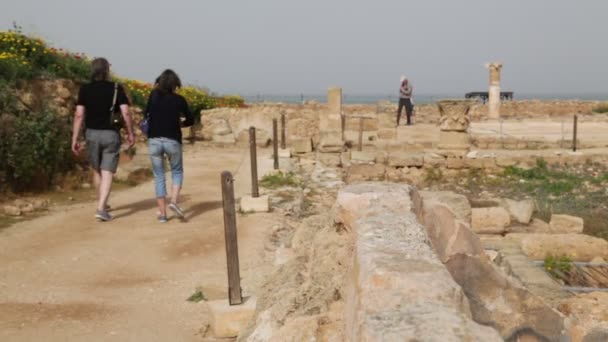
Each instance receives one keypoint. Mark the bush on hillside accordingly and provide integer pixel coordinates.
(34, 148)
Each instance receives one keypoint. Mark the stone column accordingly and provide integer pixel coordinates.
(454, 124)
(494, 90)
(331, 122)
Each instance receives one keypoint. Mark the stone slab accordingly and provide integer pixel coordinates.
(284, 153)
(229, 320)
(302, 146)
(363, 156)
(454, 140)
(255, 204)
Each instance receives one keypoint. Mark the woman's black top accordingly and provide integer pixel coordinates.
(96, 97)
(165, 111)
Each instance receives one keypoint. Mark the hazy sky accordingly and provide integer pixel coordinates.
(292, 47)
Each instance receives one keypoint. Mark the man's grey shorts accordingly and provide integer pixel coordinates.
(103, 147)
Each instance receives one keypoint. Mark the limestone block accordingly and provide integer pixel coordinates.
(363, 156)
(535, 226)
(370, 123)
(330, 122)
(11, 210)
(566, 224)
(284, 153)
(331, 142)
(520, 211)
(255, 204)
(334, 100)
(405, 159)
(578, 247)
(453, 140)
(504, 161)
(365, 172)
(498, 301)
(302, 146)
(229, 320)
(434, 159)
(491, 220)
(458, 203)
(589, 312)
(454, 115)
(330, 159)
(481, 163)
(455, 163)
(449, 236)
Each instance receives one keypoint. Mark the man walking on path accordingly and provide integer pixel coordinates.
(97, 101)
(405, 100)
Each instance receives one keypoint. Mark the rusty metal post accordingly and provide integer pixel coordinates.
(255, 192)
(232, 251)
(275, 143)
(283, 142)
(360, 134)
(574, 133)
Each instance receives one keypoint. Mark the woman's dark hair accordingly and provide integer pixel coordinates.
(169, 81)
(100, 70)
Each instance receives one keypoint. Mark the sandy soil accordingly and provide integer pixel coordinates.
(66, 277)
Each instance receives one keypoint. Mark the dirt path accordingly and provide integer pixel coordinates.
(65, 277)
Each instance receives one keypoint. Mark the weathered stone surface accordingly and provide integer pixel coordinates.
(449, 236)
(434, 159)
(255, 204)
(589, 312)
(454, 115)
(405, 159)
(458, 203)
(520, 211)
(334, 100)
(535, 226)
(454, 140)
(499, 302)
(387, 134)
(11, 210)
(365, 172)
(363, 156)
(229, 320)
(578, 247)
(455, 163)
(388, 297)
(566, 224)
(302, 146)
(492, 220)
(228, 139)
(331, 142)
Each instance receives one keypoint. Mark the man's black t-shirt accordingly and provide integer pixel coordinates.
(96, 97)
(165, 112)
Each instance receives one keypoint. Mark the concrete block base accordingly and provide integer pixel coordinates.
(255, 204)
(284, 153)
(229, 320)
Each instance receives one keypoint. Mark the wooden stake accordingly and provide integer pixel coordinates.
(232, 251)
(255, 192)
(275, 143)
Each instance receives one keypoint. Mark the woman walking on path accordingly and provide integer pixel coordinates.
(405, 100)
(97, 102)
(165, 110)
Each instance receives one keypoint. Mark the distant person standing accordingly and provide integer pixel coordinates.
(166, 109)
(97, 101)
(405, 100)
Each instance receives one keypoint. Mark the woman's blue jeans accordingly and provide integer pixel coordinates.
(158, 148)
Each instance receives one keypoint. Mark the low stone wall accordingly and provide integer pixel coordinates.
(398, 288)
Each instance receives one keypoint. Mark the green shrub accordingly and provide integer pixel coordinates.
(558, 266)
(280, 179)
(601, 108)
(34, 147)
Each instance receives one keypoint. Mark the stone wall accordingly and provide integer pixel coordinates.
(388, 297)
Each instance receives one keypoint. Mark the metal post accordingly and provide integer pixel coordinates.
(275, 143)
(360, 134)
(283, 143)
(232, 251)
(254, 163)
(575, 133)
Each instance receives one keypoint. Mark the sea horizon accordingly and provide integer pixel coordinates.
(418, 99)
